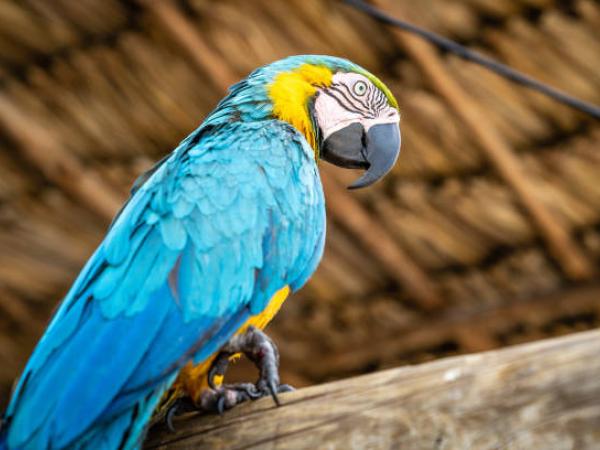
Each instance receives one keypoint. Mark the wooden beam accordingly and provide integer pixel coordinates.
(541, 395)
(571, 258)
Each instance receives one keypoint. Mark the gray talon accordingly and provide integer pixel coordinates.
(273, 391)
(169, 420)
(181, 406)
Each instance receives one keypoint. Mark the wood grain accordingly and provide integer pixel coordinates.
(536, 396)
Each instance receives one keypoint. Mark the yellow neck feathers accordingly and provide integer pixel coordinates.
(290, 93)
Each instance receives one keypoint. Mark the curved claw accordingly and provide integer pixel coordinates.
(181, 405)
(169, 419)
(273, 391)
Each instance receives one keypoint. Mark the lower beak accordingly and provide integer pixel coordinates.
(376, 150)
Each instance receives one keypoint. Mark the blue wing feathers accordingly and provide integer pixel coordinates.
(207, 238)
(82, 407)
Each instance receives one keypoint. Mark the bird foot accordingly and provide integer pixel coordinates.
(257, 347)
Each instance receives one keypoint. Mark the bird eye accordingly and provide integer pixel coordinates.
(360, 88)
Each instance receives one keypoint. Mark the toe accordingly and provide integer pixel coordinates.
(285, 388)
(220, 406)
(217, 370)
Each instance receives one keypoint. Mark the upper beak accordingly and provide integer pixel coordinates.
(376, 150)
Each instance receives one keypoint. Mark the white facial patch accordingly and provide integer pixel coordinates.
(352, 98)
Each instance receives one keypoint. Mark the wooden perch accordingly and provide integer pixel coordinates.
(542, 395)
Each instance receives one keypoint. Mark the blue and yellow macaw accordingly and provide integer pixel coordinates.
(201, 257)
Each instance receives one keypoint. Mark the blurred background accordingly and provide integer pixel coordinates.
(471, 244)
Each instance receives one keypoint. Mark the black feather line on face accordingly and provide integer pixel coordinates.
(380, 101)
(370, 96)
(342, 100)
(353, 98)
(370, 105)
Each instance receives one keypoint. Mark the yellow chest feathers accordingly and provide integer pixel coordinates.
(290, 93)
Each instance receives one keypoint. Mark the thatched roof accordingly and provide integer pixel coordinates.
(488, 231)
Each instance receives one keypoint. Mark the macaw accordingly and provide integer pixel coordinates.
(210, 243)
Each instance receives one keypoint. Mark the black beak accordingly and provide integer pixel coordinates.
(375, 151)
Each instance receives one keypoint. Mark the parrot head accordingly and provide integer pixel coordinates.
(359, 125)
(348, 116)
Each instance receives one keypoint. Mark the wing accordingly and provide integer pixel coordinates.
(215, 230)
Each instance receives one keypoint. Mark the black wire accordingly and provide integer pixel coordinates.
(470, 55)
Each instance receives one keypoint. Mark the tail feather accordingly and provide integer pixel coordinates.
(3, 444)
(110, 435)
(125, 431)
